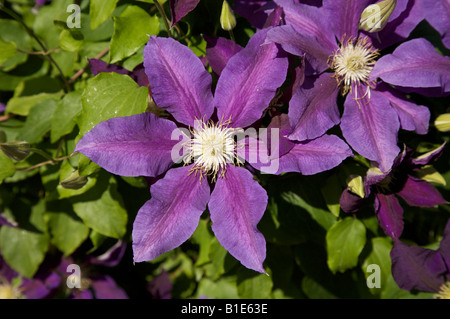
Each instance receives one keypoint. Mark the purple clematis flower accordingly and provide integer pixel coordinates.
(418, 268)
(142, 145)
(41, 286)
(373, 111)
(400, 181)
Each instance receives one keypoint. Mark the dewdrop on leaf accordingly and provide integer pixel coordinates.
(375, 16)
(227, 19)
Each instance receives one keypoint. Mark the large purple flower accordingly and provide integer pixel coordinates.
(373, 110)
(401, 181)
(418, 268)
(142, 145)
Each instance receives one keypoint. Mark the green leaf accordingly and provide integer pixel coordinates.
(70, 40)
(12, 31)
(131, 31)
(100, 11)
(345, 241)
(24, 248)
(101, 207)
(7, 50)
(314, 290)
(331, 193)
(110, 95)
(38, 122)
(253, 285)
(203, 238)
(380, 256)
(67, 229)
(66, 111)
(224, 288)
(6, 167)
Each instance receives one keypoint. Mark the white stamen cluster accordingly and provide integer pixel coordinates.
(353, 62)
(444, 291)
(211, 147)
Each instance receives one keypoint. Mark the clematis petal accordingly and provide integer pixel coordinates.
(171, 216)
(412, 117)
(313, 108)
(249, 81)
(349, 202)
(389, 214)
(307, 19)
(417, 192)
(429, 157)
(138, 73)
(370, 126)
(437, 13)
(106, 288)
(236, 206)
(137, 145)
(314, 156)
(256, 12)
(180, 8)
(300, 44)
(444, 247)
(219, 51)
(180, 83)
(344, 16)
(417, 268)
(415, 63)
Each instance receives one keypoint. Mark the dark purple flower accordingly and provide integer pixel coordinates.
(142, 145)
(373, 111)
(160, 287)
(180, 8)
(418, 268)
(385, 188)
(13, 286)
(138, 73)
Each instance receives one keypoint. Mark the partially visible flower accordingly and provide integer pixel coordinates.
(400, 181)
(138, 73)
(423, 269)
(2, 107)
(160, 287)
(180, 8)
(373, 111)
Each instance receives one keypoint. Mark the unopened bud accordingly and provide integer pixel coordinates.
(74, 181)
(356, 185)
(227, 19)
(16, 150)
(442, 122)
(375, 16)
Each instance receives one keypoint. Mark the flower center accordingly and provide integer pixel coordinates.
(211, 147)
(8, 292)
(444, 292)
(353, 62)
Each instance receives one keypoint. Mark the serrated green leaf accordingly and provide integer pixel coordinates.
(66, 111)
(110, 95)
(345, 241)
(131, 31)
(38, 122)
(100, 11)
(101, 208)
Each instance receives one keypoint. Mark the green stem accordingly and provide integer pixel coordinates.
(163, 14)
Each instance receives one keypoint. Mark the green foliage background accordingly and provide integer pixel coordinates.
(314, 249)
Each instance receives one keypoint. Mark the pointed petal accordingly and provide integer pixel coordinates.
(180, 83)
(415, 63)
(371, 126)
(171, 216)
(429, 157)
(417, 192)
(389, 214)
(219, 51)
(137, 145)
(416, 267)
(310, 20)
(313, 108)
(180, 8)
(249, 81)
(300, 44)
(315, 156)
(412, 117)
(237, 204)
(345, 16)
